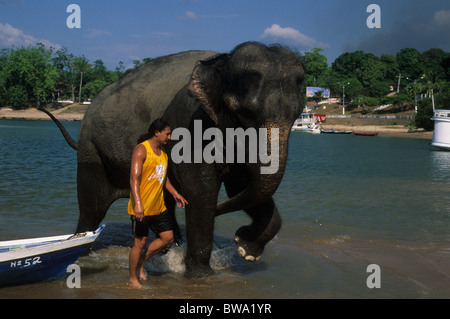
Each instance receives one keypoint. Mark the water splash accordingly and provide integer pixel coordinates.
(223, 257)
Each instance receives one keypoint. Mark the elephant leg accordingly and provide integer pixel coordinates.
(266, 222)
(251, 239)
(95, 195)
(199, 235)
(200, 216)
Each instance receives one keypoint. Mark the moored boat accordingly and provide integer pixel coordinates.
(441, 133)
(332, 131)
(310, 123)
(34, 260)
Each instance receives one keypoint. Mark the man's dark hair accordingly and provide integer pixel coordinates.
(158, 125)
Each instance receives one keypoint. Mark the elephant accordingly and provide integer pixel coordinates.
(253, 86)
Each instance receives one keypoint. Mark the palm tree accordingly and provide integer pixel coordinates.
(431, 85)
(81, 64)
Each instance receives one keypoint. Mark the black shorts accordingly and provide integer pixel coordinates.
(157, 223)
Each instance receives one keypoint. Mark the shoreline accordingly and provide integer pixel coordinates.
(383, 130)
(76, 113)
(63, 114)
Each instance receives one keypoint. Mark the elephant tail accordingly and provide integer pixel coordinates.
(72, 143)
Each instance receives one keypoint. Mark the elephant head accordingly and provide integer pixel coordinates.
(253, 86)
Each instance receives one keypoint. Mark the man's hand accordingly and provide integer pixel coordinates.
(139, 211)
(181, 202)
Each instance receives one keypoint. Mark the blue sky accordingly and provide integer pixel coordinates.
(118, 30)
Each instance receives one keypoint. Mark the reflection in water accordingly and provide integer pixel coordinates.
(440, 164)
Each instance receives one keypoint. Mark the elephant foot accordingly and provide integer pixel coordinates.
(197, 268)
(198, 272)
(250, 251)
(251, 239)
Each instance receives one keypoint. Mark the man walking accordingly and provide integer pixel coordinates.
(146, 205)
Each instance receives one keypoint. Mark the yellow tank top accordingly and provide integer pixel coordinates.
(152, 181)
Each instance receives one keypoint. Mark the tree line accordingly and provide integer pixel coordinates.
(35, 75)
(369, 80)
(366, 75)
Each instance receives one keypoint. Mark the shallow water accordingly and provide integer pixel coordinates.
(346, 202)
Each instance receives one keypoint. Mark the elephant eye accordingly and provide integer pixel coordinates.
(246, 85)
(300, 81)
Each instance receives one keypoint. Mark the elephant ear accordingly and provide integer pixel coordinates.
(205, 84)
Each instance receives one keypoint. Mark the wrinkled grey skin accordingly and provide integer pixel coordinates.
(253, 86)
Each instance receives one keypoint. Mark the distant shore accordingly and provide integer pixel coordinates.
(382, 130)
(70, 112)
(76, 113)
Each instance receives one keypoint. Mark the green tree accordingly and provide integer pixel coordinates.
(136, 64)
(318, 96)
(390, 67)
(81, 65)
(409, 63)
(16, 96)
(93, 88)
(349, 64)
(353, 88)
(443, 98)
(98, 72)
(96, 79)
(27, 75)
(63, 62)
(371, 75)
(430, 86)
(432, 61)
(120, 69)
(424, 115)
(316, 66)
(446, 66)
(366, 68)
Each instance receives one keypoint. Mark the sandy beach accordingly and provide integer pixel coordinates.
(382, 130)
(76, 112)
(70, 112)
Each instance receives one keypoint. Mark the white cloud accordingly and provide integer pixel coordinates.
(96, 33)
(291, 36)
(442, 17)
(10, 36)
(189, 16)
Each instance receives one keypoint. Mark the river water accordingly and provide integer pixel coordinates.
(347, 202)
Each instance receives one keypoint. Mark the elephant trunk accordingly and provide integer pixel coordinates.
(264, 180)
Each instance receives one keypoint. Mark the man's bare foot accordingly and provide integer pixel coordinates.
(143, 275)
(135, 283)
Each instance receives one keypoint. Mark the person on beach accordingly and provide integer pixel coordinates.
(146, 205)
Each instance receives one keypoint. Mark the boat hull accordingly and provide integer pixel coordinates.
(332, 131)
(41, 259)
(441, 133)
(39, 268)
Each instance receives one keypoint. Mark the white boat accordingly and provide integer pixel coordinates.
(441, 133)
(309, 122)
(33, 260)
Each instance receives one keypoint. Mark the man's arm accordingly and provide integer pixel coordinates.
(178, 198)
(137, 163)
